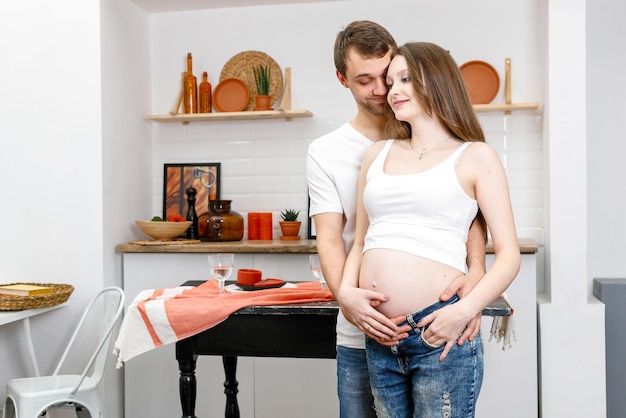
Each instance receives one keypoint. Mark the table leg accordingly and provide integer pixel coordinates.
(29, 343)
(230, 386)
(185, 354)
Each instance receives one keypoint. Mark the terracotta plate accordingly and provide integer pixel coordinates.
(240, 66)
(231, 95)
(270, 285)
(234, 288)
(482, 81)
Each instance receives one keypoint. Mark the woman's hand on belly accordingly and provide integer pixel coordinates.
(461, 286)
(446, 325)
(359, 307)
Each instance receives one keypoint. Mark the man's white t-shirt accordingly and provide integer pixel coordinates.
(332, 168)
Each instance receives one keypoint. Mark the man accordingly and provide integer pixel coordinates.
(362, 53)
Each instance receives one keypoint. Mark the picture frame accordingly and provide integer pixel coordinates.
(311, 225)
(178, 177)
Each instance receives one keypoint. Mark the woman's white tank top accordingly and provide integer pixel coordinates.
(427, 214)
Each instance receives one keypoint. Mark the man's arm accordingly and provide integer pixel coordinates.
(476, 242)
(329, 241)
(462, 285)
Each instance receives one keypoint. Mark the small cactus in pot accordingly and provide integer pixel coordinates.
(290, 226)
(289, 215)
(262, 76)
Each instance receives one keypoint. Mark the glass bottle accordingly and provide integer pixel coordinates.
(190, 98)
(204, 93)
(220, 223)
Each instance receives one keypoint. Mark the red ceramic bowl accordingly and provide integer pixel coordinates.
(248, 277)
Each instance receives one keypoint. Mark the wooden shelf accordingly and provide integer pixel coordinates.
(505, 107)
(277, 246)
(303, 113)
(261, 114)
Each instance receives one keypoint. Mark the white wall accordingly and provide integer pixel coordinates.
(606, 145)
(50, 165)
(126, 146)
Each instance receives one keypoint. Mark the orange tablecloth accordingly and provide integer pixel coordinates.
(158, 317)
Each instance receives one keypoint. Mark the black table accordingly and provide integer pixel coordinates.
(265, 331)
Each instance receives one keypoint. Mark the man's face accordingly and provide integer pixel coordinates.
(365, 77)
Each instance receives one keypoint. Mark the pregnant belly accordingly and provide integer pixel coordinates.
(410, 282)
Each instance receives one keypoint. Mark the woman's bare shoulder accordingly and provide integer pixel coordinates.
(482, 150)
(481, 157)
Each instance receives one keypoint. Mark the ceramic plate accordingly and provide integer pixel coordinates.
(241, 288)
(231, 95)
(482, 81)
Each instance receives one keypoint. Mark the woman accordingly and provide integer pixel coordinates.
(418, 194)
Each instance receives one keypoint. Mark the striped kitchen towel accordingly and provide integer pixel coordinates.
(159, 317)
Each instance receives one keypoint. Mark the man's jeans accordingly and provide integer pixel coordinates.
(353, 385)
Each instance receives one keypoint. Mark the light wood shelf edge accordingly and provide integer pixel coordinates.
(262, 114)
(303, 113)
(277, 246)
(505, 107)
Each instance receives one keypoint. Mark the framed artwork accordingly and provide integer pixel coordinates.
(177, 178)
(311, 228)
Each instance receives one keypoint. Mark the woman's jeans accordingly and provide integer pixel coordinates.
(353, 384)
(409, 381)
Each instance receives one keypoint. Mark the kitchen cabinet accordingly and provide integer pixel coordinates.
(510, 382)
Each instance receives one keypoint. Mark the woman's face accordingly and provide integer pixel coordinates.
(401, 96)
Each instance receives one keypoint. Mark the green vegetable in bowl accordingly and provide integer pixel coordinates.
(156, 219)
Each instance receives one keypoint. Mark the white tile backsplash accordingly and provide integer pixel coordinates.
(263, 161)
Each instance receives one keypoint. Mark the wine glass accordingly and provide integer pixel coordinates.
(221, 266)
(316, 269)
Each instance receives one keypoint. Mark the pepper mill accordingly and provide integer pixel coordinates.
(192, 231)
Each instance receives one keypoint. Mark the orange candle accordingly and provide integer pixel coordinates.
(254, 225)
(265, 224)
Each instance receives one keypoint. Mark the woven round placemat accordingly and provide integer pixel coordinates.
(60, 294)
(240, 66)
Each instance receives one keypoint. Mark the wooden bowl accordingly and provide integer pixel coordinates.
(162, 229)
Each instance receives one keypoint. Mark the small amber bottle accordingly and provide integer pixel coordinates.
(204, 93)
(190, 97)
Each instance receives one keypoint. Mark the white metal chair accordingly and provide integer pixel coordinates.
(33, 396)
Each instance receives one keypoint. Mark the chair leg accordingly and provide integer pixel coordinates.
(82, 412)
(9, 409)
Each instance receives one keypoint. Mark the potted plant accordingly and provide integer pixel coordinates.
(262, 75)
(290, 225)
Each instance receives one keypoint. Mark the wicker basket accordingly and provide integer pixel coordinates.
(60, 293)
(240, 66)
